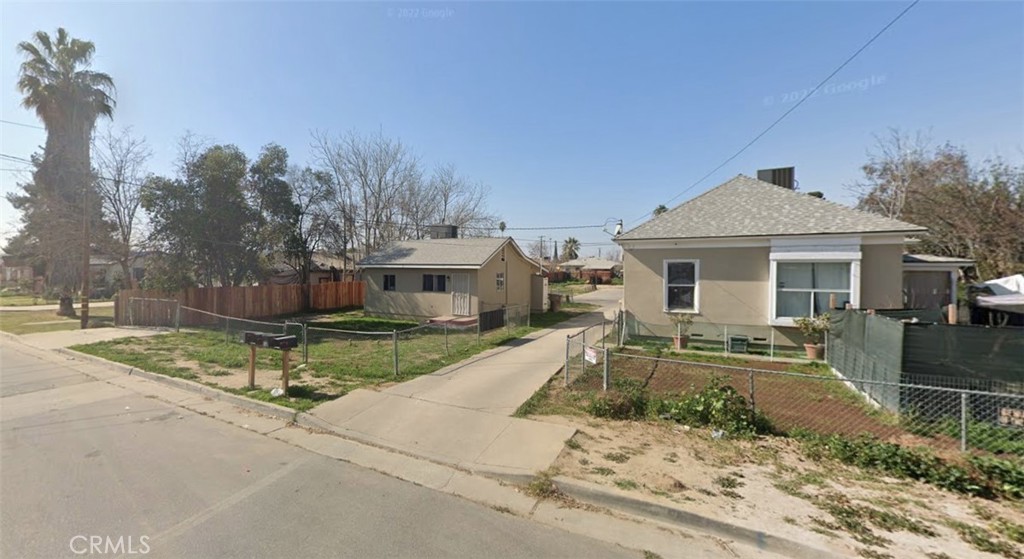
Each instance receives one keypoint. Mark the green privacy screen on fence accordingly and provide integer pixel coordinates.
(868, 347)
(972, 357)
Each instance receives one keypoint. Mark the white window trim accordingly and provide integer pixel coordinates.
(853, 258)
(696, 286)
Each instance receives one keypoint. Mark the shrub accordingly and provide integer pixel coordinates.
(718, 406)
(628, 399)
(981, 476)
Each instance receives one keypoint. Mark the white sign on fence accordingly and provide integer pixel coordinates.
(590, 354)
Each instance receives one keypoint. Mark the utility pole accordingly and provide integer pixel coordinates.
(542, 247)
(86, 249)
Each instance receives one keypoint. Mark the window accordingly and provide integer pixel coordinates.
(805, 288)
(433, 282)
(500, 281)
(681, 285)
(389, 282)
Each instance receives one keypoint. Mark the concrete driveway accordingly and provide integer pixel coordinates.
(460, 415)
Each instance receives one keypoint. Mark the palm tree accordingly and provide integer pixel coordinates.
(68, 97)
(571, 248)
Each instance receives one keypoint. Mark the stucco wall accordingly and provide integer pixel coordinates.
(517, 271)
(734, 290)
(732, 285)
(881, 277)
(409, 299)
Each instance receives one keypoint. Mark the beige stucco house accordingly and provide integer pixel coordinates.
(448, 277)
(748, 257)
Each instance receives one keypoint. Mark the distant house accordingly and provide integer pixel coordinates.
(13, 273)
(449, 276)
(108, 275)
(325, 268)
(599, 270)
(753, 256)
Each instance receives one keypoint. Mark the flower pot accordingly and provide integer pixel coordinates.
(680, 341)
(815, 351)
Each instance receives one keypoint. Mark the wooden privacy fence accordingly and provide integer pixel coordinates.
(258, 301)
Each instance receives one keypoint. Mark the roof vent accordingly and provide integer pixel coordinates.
(782, 176)
(443, 231)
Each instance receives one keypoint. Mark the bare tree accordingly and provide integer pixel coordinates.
(970, 211)
(896, 168)
(312, 192)
(120, 162)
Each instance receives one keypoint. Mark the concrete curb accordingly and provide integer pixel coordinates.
(265, 408)
(611, 499)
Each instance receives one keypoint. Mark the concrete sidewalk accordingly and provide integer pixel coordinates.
(26, 308)
(67, 338)
(460, 415)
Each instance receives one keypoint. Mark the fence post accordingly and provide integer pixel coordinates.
(394, 345)
(566, 368)
(131, 314)
(529, 312)
(478, 315)
(177, 318)
(508, 327)
(753, 407)
(825, 353)
(305, 344)
(446, 352)
(227, 329)
(603, 334)
(726, 334)
(607, 368)
(583, 354)
(963, 422)
(771, 347)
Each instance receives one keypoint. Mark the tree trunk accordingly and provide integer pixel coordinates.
(67, 306)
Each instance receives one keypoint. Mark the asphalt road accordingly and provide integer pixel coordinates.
(83, 462)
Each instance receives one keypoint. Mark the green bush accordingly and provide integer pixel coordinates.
(628, 399)
(718, 406)
(981, 476)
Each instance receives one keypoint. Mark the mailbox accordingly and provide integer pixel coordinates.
(281, 342)
(256, 338)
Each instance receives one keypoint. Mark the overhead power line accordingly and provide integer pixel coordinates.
(791, 109)
(12, 123)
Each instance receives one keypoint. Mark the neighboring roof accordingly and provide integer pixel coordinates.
(438, 253)
(747, 207)
(592, 264)
(935, 259)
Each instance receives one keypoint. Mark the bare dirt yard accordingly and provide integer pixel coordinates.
(770, 483)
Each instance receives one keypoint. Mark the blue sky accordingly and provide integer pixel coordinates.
(573, 113)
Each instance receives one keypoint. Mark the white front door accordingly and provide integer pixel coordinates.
(460, 294)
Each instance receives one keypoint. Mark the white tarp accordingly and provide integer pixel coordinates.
(1008, 294)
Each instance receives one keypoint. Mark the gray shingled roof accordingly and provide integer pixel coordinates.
(747, 207)
(436, 253)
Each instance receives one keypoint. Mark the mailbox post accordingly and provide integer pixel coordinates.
(273, 341)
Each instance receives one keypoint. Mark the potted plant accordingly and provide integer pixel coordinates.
(813, 329)
(683, 322)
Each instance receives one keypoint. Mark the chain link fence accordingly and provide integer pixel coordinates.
(358, 353)
(800, 396)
